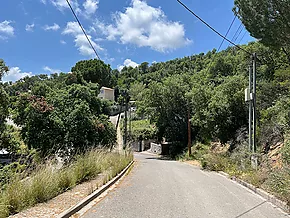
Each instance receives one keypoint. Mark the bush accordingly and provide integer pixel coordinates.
(199, 150)
(279, 183)
(9, 171)
(215, 162)
(256, 178)
(10, 139)
(286, 153)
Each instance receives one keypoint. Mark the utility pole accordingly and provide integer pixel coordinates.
(189, 132)
(126, 120)
(254, 101)
(130, 121)
(250, 96)
(250, 109)
(125, 125)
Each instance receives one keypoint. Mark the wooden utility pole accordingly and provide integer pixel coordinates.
(189, 132)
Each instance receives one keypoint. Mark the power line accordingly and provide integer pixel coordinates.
(227, 32)
(236, 32)
(242, 37)
(72, 10)
(239, 34)
(212, 28)
(222, 42)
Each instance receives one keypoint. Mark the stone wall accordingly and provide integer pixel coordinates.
(141, 146)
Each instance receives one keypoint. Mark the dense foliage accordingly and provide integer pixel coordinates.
(267, 20)
(60, 113)
(142, 130)
(4, 102)
(96, 71)
(211, 88)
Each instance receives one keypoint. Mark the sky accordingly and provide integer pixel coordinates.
(42, 36)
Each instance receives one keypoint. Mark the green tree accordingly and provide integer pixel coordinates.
(3, 97)
(69, 119)
(167, 106)
(267, 20)
(3, 68)
(95, 71)
(7, 139)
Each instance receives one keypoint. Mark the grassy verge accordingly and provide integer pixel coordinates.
(47, 182)
(237, 163)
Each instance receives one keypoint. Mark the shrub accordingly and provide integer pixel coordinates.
(9, 171)
(199, 150)
(215, 162)
(256, 178)
(286, 153)
(279, 183)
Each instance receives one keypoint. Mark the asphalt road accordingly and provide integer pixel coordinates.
(159, 188)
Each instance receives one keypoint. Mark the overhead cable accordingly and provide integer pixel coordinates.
(214, 30)
(77, 19)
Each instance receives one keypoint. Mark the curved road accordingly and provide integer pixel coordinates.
(160, 188)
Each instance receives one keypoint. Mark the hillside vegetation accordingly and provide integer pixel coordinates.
(211, 86)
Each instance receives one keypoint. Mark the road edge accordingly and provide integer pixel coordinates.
(95, 194)
(269, 197)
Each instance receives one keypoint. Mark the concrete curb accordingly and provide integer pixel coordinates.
(94, 195)
(269, 197)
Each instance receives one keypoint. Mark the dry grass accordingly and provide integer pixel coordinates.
(47, 182)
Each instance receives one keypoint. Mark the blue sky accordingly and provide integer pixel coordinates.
(41, 36)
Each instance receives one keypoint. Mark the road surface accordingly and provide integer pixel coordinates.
(160, 188)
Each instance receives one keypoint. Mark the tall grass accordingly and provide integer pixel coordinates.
(48, 182)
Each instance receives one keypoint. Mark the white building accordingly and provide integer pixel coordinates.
(107, 93)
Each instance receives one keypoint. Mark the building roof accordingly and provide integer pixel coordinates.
(107, 88)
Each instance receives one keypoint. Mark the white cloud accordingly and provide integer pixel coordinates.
(128, 63)
(99, 39)
(144, 25)
(72, 28)
(29, 28)
(81, 41)
(43, 1)
(6, 29)
(62, 5)
(54, 27)
(50, 70)
(84, 47)
(15, 74)
(90, 6)
(63, 42)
